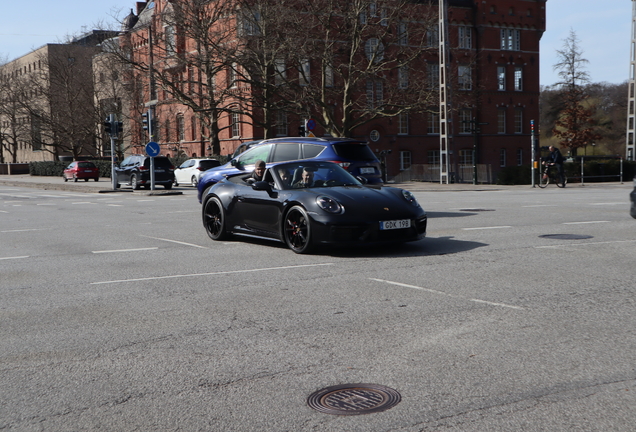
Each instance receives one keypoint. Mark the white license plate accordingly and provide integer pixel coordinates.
(395, 224)
(367, 170)
(159, 170)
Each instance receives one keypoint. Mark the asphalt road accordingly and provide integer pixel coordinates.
(117, 313)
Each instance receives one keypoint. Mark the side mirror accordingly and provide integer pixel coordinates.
(234, 162)
(362, 180)
(263, 186)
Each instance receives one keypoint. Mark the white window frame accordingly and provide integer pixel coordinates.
(405, 160)
(403, 124)
(518, 120)
(402, 33)
(501, 120)
(433, 157)
(501, 78)
(510, 39)
(374, 50)
(464, 77)
(375, 93)
(432, 128)
(518, 78)
(465, 118)
(466, 157)
(236, 124)
(465, 37)
(432, 70)
(281, 71)
(281, 124)
(329, 81)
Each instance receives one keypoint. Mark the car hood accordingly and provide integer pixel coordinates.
(364, 199)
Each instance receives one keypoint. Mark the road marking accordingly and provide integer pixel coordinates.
(47, 204)
(84, 202)
(209, 274)
(175, 241)
(15, 257)
(447, 295)
(3, 211)
(584, 244)
(540, 205)
(485, 228)
(580, 223)
(24, 230)
(124, 250)
(115, 205)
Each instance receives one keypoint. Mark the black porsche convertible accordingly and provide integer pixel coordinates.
(307, 204)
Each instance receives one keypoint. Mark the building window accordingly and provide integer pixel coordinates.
(465, 124)
(510, 39)
(501, 78)
(518, 120)
(193, 128)
(232, 76)
(518, 78)
(403, 124)
(281, 123)
(465, 37)
(303, 72)
(281, 71)
(250, 23)
(464, 78)
(236, 126)
(519, 157)
(501, 120)
(466, 157)
(405, 160)
(328, 76)
(374, 93)
(433, 75)
(403, 77)
(180, 128)
(374, 50)
(432, 37)
(502, 157)
(433, 157)
(402, 33)
(171, 47)
(433, 123)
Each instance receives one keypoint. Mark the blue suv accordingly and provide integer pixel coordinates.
(353, 155)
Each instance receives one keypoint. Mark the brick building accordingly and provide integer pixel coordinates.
(494, 68)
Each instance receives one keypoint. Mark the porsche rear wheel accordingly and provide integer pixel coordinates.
(297, 230)
(214, 219)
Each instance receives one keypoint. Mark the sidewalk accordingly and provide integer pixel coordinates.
(104, 185)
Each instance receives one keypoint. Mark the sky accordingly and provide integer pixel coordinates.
(602, 28)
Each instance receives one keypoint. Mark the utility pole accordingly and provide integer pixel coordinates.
(444, 97)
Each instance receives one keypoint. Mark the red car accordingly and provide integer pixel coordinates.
(81, 170)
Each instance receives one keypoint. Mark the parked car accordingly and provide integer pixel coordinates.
(331, 208)
(190, 171)
(81, 170)
(632, 197)
(353, 155)
(135, 171)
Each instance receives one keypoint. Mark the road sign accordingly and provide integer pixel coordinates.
(311, 124)
(153, 149)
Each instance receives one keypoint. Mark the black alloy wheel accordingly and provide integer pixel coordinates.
(74, 178)
(214, 219)
(297, 230)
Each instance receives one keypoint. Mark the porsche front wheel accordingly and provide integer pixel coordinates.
(297, 230)
(214, 219)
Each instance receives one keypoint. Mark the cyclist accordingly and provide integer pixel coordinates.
(555, 158)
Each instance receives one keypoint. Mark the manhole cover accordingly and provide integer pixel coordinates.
(476, 210)
(354, 399)
(567, 236)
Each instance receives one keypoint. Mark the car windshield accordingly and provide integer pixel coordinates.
(298, 175)
(207, 164)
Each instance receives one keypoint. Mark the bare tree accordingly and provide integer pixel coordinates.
(575, 126)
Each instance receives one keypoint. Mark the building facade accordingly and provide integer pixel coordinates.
(202, 107)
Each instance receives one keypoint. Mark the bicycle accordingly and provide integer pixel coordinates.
(549, 175)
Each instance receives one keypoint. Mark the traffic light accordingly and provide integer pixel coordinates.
(119, 128)
(108, 126)
(301, 130)
(146, 120)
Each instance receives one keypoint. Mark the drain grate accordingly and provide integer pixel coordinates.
(567, 236)
(354, 399)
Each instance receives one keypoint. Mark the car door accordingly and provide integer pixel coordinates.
(122, 170)
(182, 172)
(259, 210)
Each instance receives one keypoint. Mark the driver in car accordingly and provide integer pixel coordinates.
(307, 180)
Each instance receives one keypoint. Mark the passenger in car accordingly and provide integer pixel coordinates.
(306, 180)
(257, 174)
(284, 176)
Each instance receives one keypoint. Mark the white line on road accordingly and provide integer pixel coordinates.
(584, 244)
(24, 230)
(485, 228)
(580, 223)
(446, 294)
(16, 257)
(125, 250)
(209, 274)
(175, 241)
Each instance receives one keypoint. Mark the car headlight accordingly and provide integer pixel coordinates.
(329, 204)
(409, 197)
